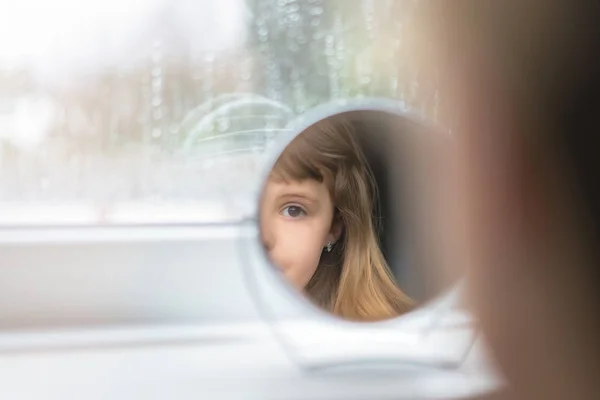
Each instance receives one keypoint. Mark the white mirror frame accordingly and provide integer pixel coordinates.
(437, 334)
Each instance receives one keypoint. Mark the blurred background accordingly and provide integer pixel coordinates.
(160, 111)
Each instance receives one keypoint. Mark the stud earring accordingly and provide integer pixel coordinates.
(329, 247)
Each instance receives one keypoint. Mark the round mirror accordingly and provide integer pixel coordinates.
(349, 210)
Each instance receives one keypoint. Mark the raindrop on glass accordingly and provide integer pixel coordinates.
(223, 124)
(316, 11)
(276, 74)
(157, 84)
(156, 71)
(209, 57)
(414, 86)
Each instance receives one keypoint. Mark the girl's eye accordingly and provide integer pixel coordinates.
(293, 212)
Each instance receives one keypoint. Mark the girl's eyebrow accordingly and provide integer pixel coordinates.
(298, 195)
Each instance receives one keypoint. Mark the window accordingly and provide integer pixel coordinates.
(160, 111)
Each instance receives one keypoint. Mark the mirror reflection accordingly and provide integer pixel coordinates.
(321, 222)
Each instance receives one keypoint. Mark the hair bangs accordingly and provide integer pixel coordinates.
(300, 161)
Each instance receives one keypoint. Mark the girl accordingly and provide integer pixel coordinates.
(318, 228)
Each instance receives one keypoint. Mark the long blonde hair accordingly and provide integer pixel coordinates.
(353, 280)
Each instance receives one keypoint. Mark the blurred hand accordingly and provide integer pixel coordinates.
(516, 223)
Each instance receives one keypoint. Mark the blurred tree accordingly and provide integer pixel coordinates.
(316, 50)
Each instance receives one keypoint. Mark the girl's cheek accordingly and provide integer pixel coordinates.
(300, 239)
(295, 235)
(289, 239)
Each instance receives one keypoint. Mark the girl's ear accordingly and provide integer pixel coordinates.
(337, 227)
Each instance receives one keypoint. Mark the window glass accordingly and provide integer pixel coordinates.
(152, 111)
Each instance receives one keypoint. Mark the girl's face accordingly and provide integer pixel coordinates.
(296, 223)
